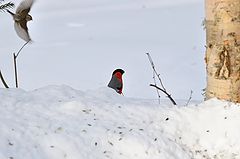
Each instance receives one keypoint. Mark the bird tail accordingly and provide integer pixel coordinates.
(10, 12)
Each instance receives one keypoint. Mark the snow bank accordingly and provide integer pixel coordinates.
(208, 130)
(59, 122)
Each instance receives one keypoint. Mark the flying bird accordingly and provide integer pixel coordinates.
(21, 17)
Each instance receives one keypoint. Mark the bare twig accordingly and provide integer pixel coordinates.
(15, 69)
(154, 76)
(153, 67)
(3, 81)
(164, 91)
(15, 56)
(155, 73)
(190, 98)
(155, 82)
(22, 48)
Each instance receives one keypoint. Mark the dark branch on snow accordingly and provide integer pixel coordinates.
(165, 92)
(3, 81)
(163, 89)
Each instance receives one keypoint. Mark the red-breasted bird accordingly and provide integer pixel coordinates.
(116, 81)
(21, 17)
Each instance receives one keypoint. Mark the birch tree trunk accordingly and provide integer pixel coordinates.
(223, 49)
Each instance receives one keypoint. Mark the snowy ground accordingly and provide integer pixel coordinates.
(59, 122)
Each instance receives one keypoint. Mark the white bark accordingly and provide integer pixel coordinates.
(223, 49)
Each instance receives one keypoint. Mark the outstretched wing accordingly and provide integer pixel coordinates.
(22, 30)
(24, 7)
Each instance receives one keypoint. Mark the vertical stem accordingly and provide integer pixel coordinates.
(155, 82)
(155, 71)
(15, 62)
(15, 68)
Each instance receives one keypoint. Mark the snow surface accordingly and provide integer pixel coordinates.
(59, 122)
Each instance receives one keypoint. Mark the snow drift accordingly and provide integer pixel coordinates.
(59, 122)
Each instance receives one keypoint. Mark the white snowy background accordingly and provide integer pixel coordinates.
(79, 43)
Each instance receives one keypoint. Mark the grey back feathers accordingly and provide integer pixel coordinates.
(115, 83)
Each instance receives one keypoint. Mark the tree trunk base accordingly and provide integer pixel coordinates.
(223, 89)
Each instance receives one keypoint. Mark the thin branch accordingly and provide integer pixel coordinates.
(155, 82)
(190, 98)
(157, 74)
(164, 91)
(15, 56)
(22, 48)
(15, 69)
(3, 81)
(154, 76)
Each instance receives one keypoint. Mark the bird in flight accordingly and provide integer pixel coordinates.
(21, 17)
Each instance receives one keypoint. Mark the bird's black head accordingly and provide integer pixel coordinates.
(29, 17)
(118, 70)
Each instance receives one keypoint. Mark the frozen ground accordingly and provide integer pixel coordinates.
(59, 122)
(79, 43)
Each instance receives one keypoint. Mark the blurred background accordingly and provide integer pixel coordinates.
(79, 43)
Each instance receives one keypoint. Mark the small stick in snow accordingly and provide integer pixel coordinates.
(3, 81)
(189, 99)
(110, 143)
(15, 56)
(154, 76)
(164, 91)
